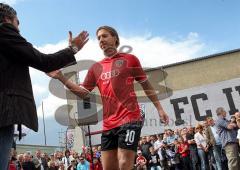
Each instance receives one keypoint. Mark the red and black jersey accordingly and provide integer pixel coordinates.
(114, 77)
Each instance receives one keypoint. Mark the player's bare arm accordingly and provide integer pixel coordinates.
(150, 92)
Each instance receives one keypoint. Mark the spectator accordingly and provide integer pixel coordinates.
(228, 136)
(66, 159)
(12, 162)
(145, 147)
(56, 158)
(45, 160)
(154, 161)
(213, 140)
(141, 162)
(19, 162)
(96, 165)
(184, 134)
(61, 166)
(202, 146)
(183, 150)
(37, 160)
(237, 115)
(159, 147)
(52, 165)
(192, 148)
(27, 164)
(83, 164)
(73, 165)
(173, 159)
(171, 137)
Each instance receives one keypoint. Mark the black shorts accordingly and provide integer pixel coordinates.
(125, 137)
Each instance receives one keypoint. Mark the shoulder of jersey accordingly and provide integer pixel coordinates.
(127, 55)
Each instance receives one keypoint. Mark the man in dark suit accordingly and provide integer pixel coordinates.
(17, 105)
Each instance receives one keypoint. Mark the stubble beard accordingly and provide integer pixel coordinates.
(110, 51)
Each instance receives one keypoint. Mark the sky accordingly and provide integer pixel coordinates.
(159, 31)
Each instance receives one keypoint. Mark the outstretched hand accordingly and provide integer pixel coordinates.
(79, 41)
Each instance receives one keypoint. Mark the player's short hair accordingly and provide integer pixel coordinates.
(112, 31)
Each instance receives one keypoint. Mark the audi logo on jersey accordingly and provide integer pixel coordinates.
(110, 74)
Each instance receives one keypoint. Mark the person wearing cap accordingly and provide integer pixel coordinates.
(17, 104)
(114, 76)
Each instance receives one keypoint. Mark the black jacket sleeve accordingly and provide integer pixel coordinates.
(19, 50)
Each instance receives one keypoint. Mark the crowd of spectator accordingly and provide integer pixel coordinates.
(211, 145)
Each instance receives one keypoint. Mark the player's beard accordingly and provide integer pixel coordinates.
(110, 51)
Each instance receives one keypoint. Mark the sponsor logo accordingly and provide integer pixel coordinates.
(108, 75)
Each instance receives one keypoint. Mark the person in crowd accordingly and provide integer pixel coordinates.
(61, 166)
(141, 161)
(27, 163)
(19, 162)
(202, 147)
(52, 165)
(214, 141)
(153, 160)
(45, 160)
(192, 148)
(159, 147)
(152, 139)
(145, 147)
(183, 150)
(73, 165)
(228, 135)
(237, 115)
(38, 160)
(171, 137)
(183, 134)
(66, 159)
(13, 160)
(83, 164)
(96, 165)
(172, 156)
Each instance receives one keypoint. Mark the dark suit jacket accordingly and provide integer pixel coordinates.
(17, 105)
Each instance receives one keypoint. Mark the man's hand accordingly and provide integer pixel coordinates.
(164, 117)
(57, 74)
(79, 41)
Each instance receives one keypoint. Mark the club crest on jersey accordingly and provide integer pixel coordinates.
(119, 63)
